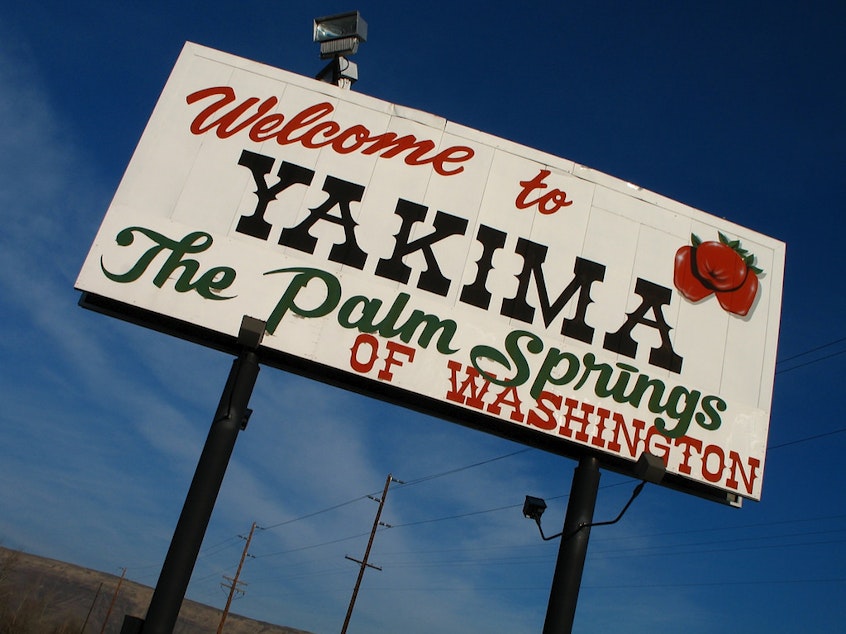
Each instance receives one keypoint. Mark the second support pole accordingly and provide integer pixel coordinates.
(564, 594)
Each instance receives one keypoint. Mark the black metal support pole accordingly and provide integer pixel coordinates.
(191, 528)
(573, 549)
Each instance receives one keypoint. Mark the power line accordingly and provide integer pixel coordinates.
(454, 517)
(429, 521)
(650, 586)
(499, 508)
(304, 517)
(802, 365)
(514, 506)
(610, 540)
(719, 546)
(811, 351)
(404, 484)
(700, 584)
(807, 352)
(696, 548)
(735, 527)
(226, 543)
(643, 551)
(801, 440)
(295, 550)
(470, 466)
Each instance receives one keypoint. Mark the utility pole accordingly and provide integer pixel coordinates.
(91, 609)
(363, 563)
(112, 604)
(233, 587)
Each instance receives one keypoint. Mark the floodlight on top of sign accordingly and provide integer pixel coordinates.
(340, 34)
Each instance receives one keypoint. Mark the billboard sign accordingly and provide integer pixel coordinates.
(396, 253)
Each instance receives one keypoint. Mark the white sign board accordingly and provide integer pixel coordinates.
(396, 253)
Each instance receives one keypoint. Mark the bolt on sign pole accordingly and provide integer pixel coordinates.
(230, 418)
(572, 551)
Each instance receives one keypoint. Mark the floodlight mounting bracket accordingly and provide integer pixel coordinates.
(649, 468)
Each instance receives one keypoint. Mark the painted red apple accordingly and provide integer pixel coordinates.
(722, 268)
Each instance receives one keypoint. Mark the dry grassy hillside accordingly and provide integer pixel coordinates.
(44, 596)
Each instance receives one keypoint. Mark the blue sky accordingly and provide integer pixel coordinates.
(732, 108)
